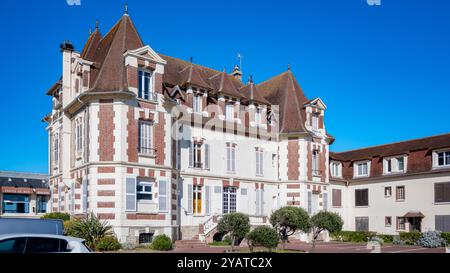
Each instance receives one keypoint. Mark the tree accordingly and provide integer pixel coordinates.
(288, 220)
(91, 229)
(263, 236)
(325, 220)
(236, 224)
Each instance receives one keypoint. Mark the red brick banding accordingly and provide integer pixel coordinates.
(309, 164)
(132, 138)
(293, 159)
(106, 181)
(106, 131)
(106, 193)
(146, 216)
(293, 186)
(106, 204)
(106, 216)
(293, 194)
(106, 170)
(159, 137)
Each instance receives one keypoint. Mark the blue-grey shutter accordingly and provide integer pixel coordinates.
(163, 196)
(207, 156)
(233, 159)
(189, 199)
(262, 201)
(309, 202)
(84, 194)
(258, 202)
(130, 202)
(208, 200)
(191, 153)
(325, 201)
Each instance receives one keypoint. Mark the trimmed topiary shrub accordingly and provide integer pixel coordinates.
(56, 215)
(410, 238)
(398, 241)
(389, 239)
(263, 236)
(431, 239)
(108, 243)
(446, 237)
(236, 225)
(161, 243)
(352, 236)
(288, 220)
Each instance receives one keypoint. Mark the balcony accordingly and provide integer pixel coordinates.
(198, 165)
(317, 173)
(148, 152)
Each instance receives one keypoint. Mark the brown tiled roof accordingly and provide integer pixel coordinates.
(392, 149)
(252, 93)
(91, 45)
(284, 90)
(222, 84)
(109, 72)
(192, 75)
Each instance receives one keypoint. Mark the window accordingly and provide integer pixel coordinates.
(56, 149)
(362, 169)
(362, 198)
(229, 111)
(337, 198)
(335, 169)
(394, 165)
(197, 104)
(442, 223)
(144, 191)
(315, 162)
(41, 203)
(315, 122)
(362, 223)
(229, 199)
(389, 165)
(145, 89)
(442, 192)
(259, 201)
(79, 136)
(401, 164)
(258, 116)
(145, 138)
(387, 221)
(400, 193)
(198, 155)
(16, 203)
(259, 162)
(443, 159)
(197, 199)
(145, 238)
(401, 223)
(387, 191)
(231, 158)
(16, 245)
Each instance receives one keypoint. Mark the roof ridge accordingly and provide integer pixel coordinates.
(274, 77)
(392, 143)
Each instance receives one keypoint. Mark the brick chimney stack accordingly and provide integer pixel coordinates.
(237, 73)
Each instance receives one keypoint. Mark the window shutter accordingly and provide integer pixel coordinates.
(190, 193)
(85, 194)
(208, 200)
(207, 156)
(191, 153)
(130, 202)
(261, 191)
(438, 192)
(233, 159)
(163, 194)
(309, 202)
(72, 198)
(258, 202)
(325, 201)
(257, 162)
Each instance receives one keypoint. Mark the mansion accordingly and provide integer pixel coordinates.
(158, 145)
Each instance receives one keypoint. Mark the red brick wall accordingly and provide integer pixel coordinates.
(309, 164)
(160, 144)
(293, 159)
(106, 131)
(376, 167)
(132, 74)
(420, 161)
(132, 138)
(323, 162)
(158, 83)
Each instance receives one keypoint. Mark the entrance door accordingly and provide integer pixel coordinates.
(415, 224)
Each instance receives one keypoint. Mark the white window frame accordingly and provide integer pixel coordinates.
(356, 165)
(196, 190)
(258, 116)
(394, 164)
(145, 137)
(146, 94)
(231, 157)
(315, 122)
(259, 162)
(229, 111)
(336, 169)
(79, 136)
(145, 184)
(228, 202)
(390, 191)
(315, 162)
(436, 158)
(197, 102)
(56, 149)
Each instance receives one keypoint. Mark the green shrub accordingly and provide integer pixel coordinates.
(220, 243)
(410, 238)
(57, 215)
(161, 243)
(263, 236)
(431, 239)
(68, 227)
(353, 236)
(446, 237)
(387, 238)
(236, 225)
(108, 243)
(227, 239)
(91, 229)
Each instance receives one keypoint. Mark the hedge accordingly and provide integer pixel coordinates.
(57, 215)
(161, 243)
(353, 236)
(446, 236)
(410, 238)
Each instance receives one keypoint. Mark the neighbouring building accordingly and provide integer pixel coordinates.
(24, 195)
(155, 144)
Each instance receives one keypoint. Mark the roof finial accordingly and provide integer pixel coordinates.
(250, 79)
(90, 31)
(96, 24)
(289, 67)
(126, 9)
(191, 59)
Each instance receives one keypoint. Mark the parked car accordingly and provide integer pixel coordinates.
(37, 226)
(41, 243)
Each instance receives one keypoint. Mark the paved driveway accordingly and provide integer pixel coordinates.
(334, 247)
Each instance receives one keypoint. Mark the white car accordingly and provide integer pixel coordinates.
(41, 243)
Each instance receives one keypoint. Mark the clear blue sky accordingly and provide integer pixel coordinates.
(384, 72)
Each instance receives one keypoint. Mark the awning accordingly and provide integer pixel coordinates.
(414, 214)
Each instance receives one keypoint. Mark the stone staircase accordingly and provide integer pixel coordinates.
(194, 243)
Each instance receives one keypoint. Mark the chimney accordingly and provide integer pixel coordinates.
(66, 46)
(237, 74)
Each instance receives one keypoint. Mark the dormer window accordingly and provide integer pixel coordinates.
(442, 159)
(145, 89)
(394, 165)
(229, 111)
(361, 169)
(258, 116)
(315, 122)
(197, 103)
(336, 169)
